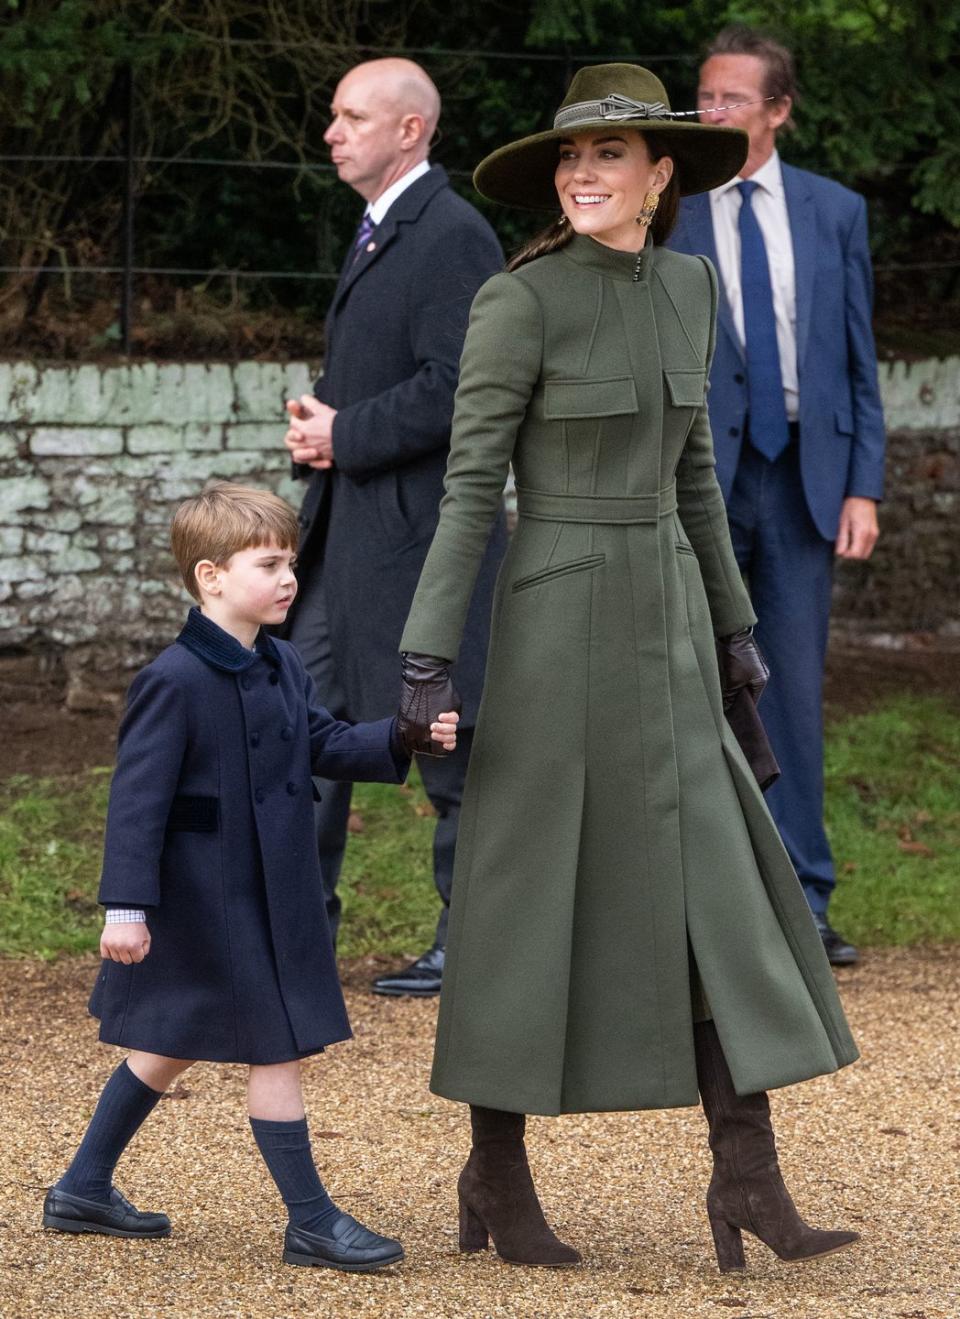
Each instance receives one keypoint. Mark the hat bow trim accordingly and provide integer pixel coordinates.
(614, 107)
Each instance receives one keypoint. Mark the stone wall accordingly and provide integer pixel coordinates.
(92, 464)
(94, 460)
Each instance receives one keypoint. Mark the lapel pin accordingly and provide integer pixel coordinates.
(371, 247)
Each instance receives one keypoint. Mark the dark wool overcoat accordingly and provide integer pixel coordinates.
(394, 334)
(610, 823)
(210, 829)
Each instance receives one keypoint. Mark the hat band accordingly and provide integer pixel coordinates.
(613, 107)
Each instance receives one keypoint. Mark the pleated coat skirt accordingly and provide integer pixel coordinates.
(614, 847)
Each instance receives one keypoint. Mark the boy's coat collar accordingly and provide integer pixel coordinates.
(203, 638)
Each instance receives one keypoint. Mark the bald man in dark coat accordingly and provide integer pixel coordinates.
(372, 445)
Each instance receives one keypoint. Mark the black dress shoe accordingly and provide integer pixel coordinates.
(839, 952)
(346, 1245)
(71, 1213)
(419, 980)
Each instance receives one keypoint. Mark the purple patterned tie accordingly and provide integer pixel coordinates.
(364, 230)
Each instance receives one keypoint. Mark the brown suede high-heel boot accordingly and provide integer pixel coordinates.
(498, 1199)
(747, 1190)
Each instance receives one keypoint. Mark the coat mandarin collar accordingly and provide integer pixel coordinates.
(609, 261)
(209, 642)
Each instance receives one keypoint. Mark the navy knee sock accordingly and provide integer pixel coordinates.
(285, 1147)
(124, 1104)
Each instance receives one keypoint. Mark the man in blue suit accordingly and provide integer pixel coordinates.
(796, 414)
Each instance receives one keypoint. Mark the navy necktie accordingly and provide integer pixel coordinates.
(768, 414)
(364, 230)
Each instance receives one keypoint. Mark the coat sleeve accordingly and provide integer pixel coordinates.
(355, 753)
(150, 752)
(501, 365)
(413, 417)
(865, 473)
(702, 512)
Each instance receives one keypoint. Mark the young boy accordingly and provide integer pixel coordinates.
(216, 943)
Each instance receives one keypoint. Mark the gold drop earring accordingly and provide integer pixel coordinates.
(649, 208)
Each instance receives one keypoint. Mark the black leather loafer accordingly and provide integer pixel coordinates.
(71, 1213)
(839, 952)
(420, 979)
(346, 1245)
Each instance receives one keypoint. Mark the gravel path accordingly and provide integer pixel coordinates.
(876, 1148)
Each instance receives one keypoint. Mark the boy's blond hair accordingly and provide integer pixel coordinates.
(224, 519)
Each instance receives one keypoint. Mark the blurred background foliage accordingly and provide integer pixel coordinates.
(250, 81)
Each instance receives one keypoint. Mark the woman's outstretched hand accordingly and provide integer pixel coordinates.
(429, 706)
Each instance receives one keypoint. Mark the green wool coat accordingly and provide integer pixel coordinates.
(610, 823)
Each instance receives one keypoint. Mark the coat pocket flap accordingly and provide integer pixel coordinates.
(844, 421)
(193, 815)
(686, 386)
(589, 398)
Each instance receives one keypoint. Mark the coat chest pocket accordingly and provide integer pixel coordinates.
(686, 387)
(193, 815)
(565, 400)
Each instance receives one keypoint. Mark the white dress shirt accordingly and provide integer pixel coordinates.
(770, 207)
(378, 209)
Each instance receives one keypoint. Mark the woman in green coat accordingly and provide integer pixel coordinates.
(626, 927)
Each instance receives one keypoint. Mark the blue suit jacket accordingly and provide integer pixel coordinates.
(841, 419)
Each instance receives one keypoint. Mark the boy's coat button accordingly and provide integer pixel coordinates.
(260, 796)
(245, 684)
(274, 678)
(254, 739)
(292, 789)
(286, 733)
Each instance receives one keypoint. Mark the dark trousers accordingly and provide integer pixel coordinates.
(443, 776)
(789, 569)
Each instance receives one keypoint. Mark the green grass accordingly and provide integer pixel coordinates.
(893, 814)
(51, 831)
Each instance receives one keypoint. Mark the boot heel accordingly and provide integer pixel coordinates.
(473, 1234)
(728, 1244)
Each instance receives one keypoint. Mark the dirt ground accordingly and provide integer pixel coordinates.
(42, 736)
(874, 1147)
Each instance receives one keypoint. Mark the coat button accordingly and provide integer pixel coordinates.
(245, 684)
(274, 678)
(739, 378)
(254, 739)
(286, 733)
(734, 432)
(260, 796)
(292, 789)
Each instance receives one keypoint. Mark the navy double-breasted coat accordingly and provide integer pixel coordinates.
(210, 829)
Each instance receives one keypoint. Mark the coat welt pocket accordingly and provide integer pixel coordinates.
(686, 387)
(686, 549)
(843, 419)
(564, 400)
(193, 815)
(558, 570)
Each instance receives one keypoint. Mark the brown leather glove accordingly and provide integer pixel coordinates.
(426, 691)
(741, 665)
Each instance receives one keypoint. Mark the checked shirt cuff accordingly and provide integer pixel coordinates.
(120, 915)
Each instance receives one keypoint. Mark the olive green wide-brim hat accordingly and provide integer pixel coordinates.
(612, 96)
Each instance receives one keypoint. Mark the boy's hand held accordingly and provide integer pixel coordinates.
(444, 730)
(127, 942)
(427, 696)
